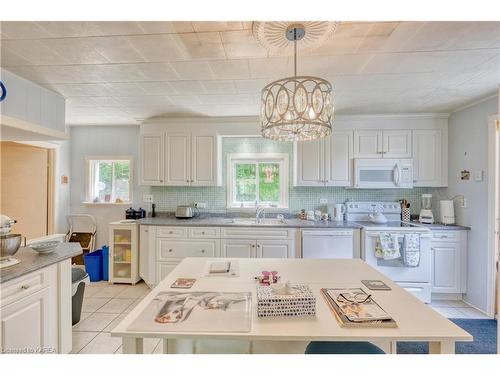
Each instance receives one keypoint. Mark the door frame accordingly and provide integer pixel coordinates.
(493, 212)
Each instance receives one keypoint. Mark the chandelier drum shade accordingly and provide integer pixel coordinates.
(298, 108)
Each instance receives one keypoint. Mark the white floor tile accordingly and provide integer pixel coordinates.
(103, 343)
(95, 323)
(131, 306)
(92, 304)
(450, 312)
(110, 291)
(116, 306)
(90, 292)
(159, 348)
(114, 323)
(81, 339)
(472, 313)
(83, 316)
(134, 291)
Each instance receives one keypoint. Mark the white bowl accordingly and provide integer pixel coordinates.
(45, 247)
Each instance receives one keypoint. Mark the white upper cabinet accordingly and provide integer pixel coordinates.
(396, 144)
(204, 160)
(368, 144)
(152, 158)
(382, 144)
(310, 163)
(427, 158)
(324, 162)
(178, 159)
(338, 160)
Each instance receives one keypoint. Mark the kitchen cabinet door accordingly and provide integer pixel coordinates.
(275, 249)
(178, 159)
(427, 158)
(163, 269)
(396, 144)
(169, 249)
(238, 249)
(446, 267)
(147, 254)
(152, 159)
(310, 163)
(368, 144)
(204, 160)
(29, 324)
(338, 159)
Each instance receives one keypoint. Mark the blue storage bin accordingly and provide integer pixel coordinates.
(105, 262)
(93, 265)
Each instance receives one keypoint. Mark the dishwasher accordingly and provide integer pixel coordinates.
(328, 244)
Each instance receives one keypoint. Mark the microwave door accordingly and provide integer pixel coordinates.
(377, 177)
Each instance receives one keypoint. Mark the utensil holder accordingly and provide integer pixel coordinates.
(405, 215)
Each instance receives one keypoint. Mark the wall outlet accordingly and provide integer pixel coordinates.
(463, 203)
(323, 201)
(200, 204)
(147, 198)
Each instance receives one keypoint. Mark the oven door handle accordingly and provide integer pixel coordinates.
(399, 233)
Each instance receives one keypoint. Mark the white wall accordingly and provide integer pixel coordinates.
(105, 141)
(468, 150)
(62, 191)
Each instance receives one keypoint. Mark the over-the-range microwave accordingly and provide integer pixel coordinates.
(383, 173)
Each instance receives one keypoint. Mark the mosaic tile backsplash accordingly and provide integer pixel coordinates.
(168, 197)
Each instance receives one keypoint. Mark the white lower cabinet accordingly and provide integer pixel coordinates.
(35, 311)
(449, 262)
(163, 248)
(234, 248)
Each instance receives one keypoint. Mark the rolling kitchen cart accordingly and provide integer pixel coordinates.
(124, 252)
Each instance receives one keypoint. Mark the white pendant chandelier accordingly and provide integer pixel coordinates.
(298, 108)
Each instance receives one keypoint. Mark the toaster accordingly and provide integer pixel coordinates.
(184, 212)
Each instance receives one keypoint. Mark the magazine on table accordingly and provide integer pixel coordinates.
(354, 307)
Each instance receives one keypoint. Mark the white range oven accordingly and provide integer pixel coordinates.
(417, 278)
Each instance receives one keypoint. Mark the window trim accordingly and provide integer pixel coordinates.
(258, 157)
(89, 199)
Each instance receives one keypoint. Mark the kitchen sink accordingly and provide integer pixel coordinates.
(252, 221)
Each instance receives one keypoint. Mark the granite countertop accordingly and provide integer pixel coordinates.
(32, 261)
(206, 220)
(439, 226)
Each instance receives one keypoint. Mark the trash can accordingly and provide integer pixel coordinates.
(93, 265)
(78, 280)
(105, 263)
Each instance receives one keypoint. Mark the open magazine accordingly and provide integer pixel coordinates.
(354, 307)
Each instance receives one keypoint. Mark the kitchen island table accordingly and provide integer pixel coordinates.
(415, 320)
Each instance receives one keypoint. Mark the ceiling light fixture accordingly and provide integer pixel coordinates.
(298, 108)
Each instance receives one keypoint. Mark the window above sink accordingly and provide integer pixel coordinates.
(257, 180)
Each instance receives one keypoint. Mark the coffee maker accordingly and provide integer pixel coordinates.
(426, 216)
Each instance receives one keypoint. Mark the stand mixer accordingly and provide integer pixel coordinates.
(9, 243)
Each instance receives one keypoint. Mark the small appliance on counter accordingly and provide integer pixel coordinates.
(446, 212)
(9, 243)
(426, 216)
(338, 212)
(131, 214)
(185, 212)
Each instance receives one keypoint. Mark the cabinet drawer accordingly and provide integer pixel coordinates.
(204, 232)
(28, 284)
(171, 249)
(258, 233)
(448, 236)
(172, 232)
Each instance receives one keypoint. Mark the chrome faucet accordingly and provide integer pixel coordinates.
(258, 211)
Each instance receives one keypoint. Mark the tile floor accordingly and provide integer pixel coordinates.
(105, 305)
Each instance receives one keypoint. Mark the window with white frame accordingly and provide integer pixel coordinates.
(257, 179)
(109, 180)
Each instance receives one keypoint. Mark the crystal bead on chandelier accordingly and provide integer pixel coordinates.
(298, 108)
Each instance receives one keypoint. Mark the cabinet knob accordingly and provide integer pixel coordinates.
(187, 180)
(202, 232)
(170, 232)
(161, 180)
(258, 245)
(192, 180)
(24, 287)
(202, 250)
(253, 245)
(169, 250)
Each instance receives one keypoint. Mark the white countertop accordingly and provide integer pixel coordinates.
(416, 321)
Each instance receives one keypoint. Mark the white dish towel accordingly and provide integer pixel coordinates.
(411, 250)
(387, 246)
